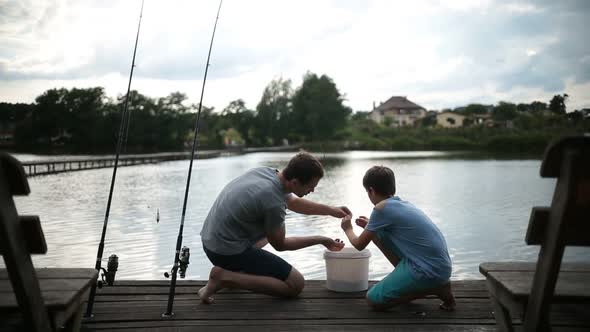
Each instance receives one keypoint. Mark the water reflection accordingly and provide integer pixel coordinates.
(481, 205)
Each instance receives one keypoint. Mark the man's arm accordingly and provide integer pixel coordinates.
(304, 206)
(278, 241)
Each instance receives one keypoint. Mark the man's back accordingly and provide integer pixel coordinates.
(244, 211)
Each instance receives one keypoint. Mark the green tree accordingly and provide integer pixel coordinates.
(475, 109)
(84, 107)
(241, 119)
(49, 117)
(273, 112)
(318, 109)
(538, 107)
(557, 104)
(504, 111)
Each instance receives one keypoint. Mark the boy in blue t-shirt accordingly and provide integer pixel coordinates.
(408, 239)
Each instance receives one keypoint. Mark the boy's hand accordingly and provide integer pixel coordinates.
(346, 224)
(333, 245)
(340, 212)
(362, 221)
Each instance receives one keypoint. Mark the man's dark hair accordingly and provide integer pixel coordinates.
(381, 179)
(303, 167)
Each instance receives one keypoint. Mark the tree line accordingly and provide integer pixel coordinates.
(313, 114)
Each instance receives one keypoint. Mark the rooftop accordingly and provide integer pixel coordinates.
(398, 102)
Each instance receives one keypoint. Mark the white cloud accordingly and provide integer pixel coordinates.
(438, 53)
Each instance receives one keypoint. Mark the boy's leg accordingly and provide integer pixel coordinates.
(443, 293)
(393, 289)
(391, 256)
(400, 287)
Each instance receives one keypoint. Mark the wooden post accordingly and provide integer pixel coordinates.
(549, 262)
(18, 261)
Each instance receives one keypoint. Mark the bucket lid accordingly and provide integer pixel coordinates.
(348, 253)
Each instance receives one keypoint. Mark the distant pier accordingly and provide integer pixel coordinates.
(46, 167)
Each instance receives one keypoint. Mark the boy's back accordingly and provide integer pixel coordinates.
(409, 233)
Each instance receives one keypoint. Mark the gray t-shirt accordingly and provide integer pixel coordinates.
(245, 210)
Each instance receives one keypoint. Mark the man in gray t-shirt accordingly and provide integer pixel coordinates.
(249, 213)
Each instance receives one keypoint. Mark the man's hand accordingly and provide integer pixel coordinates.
(340, 212)
(362, 221)
(345, 223)
(333, 245)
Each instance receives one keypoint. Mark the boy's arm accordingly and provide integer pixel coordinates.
(359, 242)
(304, 206)
(391, 257)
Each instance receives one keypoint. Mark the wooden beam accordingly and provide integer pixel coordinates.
(575, 234)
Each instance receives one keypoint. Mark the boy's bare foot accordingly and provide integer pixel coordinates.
(446, 295)
(213, 285)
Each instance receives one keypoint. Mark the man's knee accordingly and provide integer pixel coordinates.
(296, 282)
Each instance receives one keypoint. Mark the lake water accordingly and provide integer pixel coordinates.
(481, 205)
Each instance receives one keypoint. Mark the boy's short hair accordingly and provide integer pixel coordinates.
(381, 179)
(303, 167)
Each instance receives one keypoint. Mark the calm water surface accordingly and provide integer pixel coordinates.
(482, 206)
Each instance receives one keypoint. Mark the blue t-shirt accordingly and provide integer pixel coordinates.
(410, 234)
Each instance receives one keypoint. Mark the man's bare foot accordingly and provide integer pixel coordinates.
(446, 295)
(213, 285)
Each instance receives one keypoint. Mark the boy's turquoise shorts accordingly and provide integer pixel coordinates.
(398, 283)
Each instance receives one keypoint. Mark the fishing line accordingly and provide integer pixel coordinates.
(185, 250)
(113, 263)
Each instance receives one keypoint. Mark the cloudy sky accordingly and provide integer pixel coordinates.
(437, 53)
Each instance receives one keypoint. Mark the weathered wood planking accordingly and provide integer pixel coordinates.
(572, 284)
(138, 305)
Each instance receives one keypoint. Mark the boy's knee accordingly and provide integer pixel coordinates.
(374, 305)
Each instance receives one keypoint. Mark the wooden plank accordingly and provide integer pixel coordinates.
(55, 292)
(33, 234)
(51, 285)
(484, 268)
(338, 327)
(13, 175)
(58, 273)
(17, 259)
(575, 234)
(292, 309)
(275, 324)
(475, 284)
(552, 160)
(313, 288)
(69, 315)
(242, 296)
(543, 290)
(52, 299)
(321, 326)
(234, 310)
(570, 285)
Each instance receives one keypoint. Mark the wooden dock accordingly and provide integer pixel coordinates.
(46, 167)
(138, 306)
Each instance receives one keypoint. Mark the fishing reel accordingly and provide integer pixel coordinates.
(183, 262)
(109, 273)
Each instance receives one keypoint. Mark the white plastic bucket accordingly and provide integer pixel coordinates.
(347, 270)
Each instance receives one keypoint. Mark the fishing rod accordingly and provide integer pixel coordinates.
(182, 264)
(113, 260)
